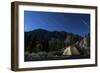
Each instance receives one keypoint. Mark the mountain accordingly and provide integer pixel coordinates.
(44, 40)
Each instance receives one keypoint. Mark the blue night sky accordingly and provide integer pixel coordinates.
(54, 21)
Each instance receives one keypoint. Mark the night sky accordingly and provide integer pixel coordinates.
(53, 21)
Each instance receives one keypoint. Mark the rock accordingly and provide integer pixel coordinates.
(31, 56)
(42, 54)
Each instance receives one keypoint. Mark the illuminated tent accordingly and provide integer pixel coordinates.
(71, 50)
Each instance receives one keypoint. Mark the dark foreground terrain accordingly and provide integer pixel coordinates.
(42, 58)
